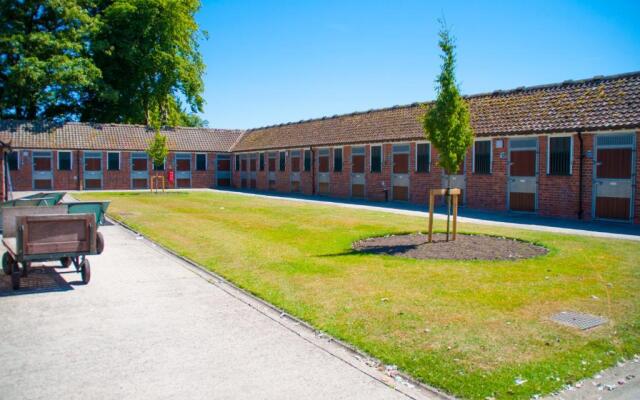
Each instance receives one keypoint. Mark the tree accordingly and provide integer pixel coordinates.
(45, 64)
(446, 121)
(158, 149)
(148, 53)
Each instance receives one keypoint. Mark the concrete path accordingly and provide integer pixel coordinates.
(151, 326)
(618, 383)
(611, 230)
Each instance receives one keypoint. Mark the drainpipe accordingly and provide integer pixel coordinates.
(78, 167)
(580, 209)
(313, 171)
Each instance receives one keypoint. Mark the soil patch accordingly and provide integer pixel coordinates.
(465, 247)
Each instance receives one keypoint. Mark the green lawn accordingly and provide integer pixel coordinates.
(468, 327)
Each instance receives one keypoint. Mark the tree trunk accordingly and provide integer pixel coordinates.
(448, 203)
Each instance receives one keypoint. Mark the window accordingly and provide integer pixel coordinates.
(559, 156)
(261, 161)
(282, 160)
(307, 160)
(13, 160)
(64, 161)
(482, 157)
(423, 157)
(376, 158)
(113, 161)
(337, 159)
(237, 162)
(201, 162)
(159, 167)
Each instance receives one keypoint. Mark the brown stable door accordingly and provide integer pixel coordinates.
(523, 175)
(323, 171)
(253, 162)
(223, 170)
(614, 177)
(295, 170)
(244, 171)
(357, 173)
(400, 172)
(42, 170)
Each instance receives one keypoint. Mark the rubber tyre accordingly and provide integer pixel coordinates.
(15, 276)
(65, 262)
(85, 271)
(25, 268)
(99, 243)
(6, 264)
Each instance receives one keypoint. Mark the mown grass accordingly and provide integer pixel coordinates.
(468, 327)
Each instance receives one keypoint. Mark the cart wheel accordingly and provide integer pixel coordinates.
(15, 275)
(65, 261)
(6, 263)
(99, 243)
(26, 265)
(85, 271)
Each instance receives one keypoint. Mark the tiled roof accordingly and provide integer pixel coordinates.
(75, 135)
(611, 102)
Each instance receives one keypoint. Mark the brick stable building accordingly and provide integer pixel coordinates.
(566, 150)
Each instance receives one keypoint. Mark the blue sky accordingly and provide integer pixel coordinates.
(270, 62)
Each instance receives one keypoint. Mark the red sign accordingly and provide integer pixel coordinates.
(171, 177)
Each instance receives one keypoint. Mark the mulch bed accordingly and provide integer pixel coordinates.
(465, 247)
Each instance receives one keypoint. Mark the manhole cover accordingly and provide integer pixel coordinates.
(578, 320)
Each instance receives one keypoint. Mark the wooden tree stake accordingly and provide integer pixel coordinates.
(442, 192)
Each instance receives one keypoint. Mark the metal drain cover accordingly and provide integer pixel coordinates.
(578, 320)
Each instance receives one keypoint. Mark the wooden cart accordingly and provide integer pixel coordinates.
(68, 238)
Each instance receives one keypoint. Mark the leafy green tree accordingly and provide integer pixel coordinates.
(446, 122)
(158, 149)
(45, 64)
(151, 66)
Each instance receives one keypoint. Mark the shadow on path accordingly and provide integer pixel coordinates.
(498, 217)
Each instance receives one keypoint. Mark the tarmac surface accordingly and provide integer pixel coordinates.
(149, 325)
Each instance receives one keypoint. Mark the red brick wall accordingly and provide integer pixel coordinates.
(306, 177)
(637, 193)
(557, 195)
(111, 180)
(21, 179)
(378, 182)
(489, 192)
(283, 183)
(340, 182)
(2, 181)
(422, 182)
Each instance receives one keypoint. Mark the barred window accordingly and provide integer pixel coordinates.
(12, 159)
(482, 157)
(201, 162)
(423, 157)
(237, 162)
(159, 167)
(261, 161)
(376, 158)
(113, 161)
(64, 160)
(307, 160)
(282, 161)
(337, 159)
(560, 155)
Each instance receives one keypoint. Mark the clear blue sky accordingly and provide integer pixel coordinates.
(278, 61)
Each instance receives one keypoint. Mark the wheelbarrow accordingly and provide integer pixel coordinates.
(67, 238)
(38, 199)
(99, 208)
(47, 199)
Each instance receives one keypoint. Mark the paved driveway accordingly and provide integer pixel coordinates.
(150, 326)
